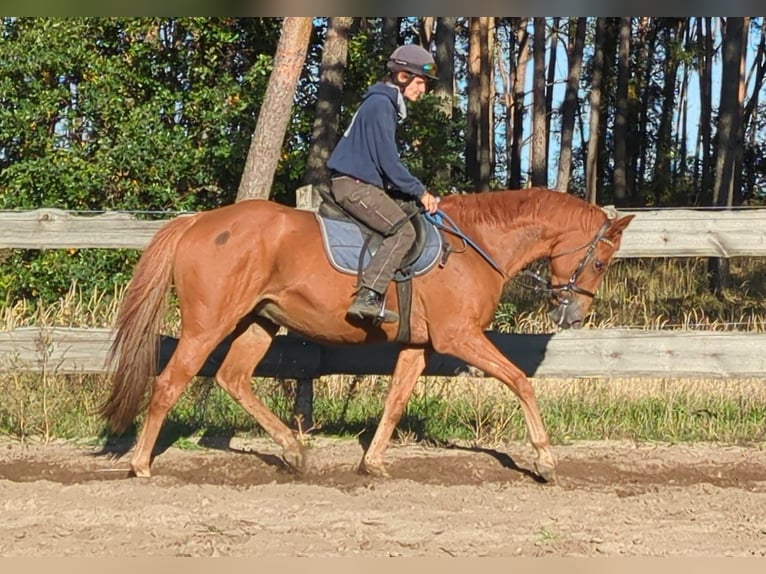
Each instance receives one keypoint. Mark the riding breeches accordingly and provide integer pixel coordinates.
(373, 207)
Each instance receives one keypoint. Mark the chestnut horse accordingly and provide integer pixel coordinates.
(248, 268)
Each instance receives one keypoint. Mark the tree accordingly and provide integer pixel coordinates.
(705, 56)
(647, 46)
(473, 113)
(569, 106)
(390, 34)
(520, 59)
(444, 88)
(728, 113)
(549, 84)
(728, 127)
(539, 135)
(266, 145)
(621, 115)
(591, 170)
(329, 97)
(486, 81)
(672, 32)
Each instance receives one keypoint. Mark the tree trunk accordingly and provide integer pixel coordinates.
(539, 136)
(706, 108)
(274, 115)
(329, 96)
(444, 88)
(750, 114)
(621, 192)
(486, 131)
(549, 83)
(648, 32)
(508, 76)
(473, 113)
(426, 30)
(492, 59)
(759, 62)
(569, 106)
(661, 179)
(679, 172)
(522, 36)
(390, 35)
(608, 80)
(591, 171)
(728, 117)
(735, 186)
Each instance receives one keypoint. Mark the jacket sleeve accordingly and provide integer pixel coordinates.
(381, 121)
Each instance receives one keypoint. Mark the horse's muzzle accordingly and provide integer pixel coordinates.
(566, 315)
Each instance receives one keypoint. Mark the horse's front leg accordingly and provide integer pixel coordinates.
(409, 366)
(475, 349)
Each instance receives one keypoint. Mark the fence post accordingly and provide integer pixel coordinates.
(303, 408)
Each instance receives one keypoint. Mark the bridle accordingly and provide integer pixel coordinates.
(561, 291)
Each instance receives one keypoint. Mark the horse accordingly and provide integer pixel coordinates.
(246, 269)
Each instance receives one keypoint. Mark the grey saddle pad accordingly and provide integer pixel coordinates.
(343, 243)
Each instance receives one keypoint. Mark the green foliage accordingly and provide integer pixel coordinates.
(110, 113)
(432, 145)
(156, 114)
(123, 114)
(47, 275)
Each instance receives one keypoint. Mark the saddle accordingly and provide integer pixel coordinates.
(350, 244)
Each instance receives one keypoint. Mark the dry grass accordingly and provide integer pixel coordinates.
(648, 294)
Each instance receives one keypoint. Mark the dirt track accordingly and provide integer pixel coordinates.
(610, 499)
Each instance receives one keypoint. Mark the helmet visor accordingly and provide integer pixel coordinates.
(429, 70)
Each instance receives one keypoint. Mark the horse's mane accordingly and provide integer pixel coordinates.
(501, 208)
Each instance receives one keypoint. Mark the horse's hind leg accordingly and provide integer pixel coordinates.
(409, 366)
(235, 376)
(187, 359)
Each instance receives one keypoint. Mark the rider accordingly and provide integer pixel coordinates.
(366, 167)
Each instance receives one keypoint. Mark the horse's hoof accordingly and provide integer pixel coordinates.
(295, 461)
(373, 470)
(546, 472)
(138, 472)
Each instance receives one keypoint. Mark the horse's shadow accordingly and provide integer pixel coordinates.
(116, 447)
(416, 426)
(171, 434)
(503, 458)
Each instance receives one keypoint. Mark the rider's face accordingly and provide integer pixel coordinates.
(416, 88)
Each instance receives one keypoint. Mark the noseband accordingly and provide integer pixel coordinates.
(561, 291)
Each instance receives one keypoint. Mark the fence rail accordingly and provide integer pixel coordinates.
(660, 233)
(567, 354)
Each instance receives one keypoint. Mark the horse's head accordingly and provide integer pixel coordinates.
(577, 266)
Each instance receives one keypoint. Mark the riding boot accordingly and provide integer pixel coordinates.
(369, 305)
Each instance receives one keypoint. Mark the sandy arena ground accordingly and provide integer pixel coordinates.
(234, 499)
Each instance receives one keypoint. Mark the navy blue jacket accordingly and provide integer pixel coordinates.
(368, 150)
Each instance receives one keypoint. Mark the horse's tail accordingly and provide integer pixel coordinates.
(132, 358)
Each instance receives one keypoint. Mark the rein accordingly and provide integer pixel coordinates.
(438, 218)
(571, 285)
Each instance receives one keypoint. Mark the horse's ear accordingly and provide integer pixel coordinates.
(620, 224)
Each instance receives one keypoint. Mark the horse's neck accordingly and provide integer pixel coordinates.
(527, 241)
(521, 236)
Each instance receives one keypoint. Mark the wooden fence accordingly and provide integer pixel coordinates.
(585, 353)
(661, 233)
(606, 353)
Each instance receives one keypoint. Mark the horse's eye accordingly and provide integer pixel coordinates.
(599, 265)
